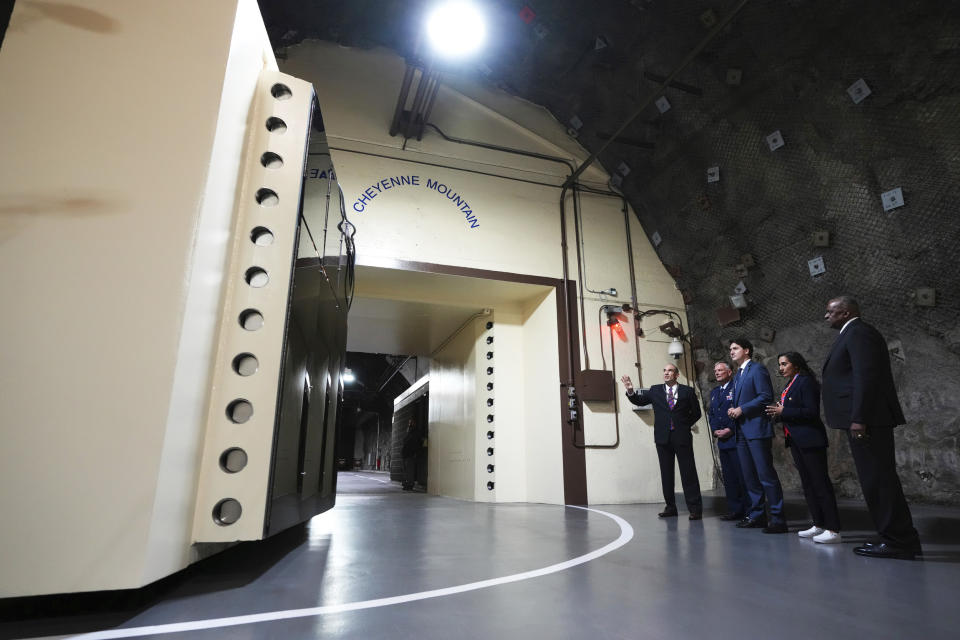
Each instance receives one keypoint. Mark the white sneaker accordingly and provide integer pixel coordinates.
(827, 537)
(811, 532)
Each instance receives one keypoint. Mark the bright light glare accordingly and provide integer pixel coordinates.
(348, 376)
(456, 29)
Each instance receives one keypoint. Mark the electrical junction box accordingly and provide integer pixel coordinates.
(596, 385)
(926, 296)
(775, 140)
(816, 267)
(821, 238)
(858, 91)
(892, 199)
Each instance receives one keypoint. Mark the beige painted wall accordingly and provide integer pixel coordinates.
(124, 126)
(516, 230)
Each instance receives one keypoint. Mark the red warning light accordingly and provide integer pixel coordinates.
(617, 328)
(527, 15)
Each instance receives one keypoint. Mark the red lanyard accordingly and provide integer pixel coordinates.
(783, 396)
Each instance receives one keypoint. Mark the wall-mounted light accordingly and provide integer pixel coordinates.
(348, 376)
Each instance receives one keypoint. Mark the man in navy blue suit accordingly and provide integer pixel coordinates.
(859, 397)
(675, 410)
(724, 430)
(752, 393)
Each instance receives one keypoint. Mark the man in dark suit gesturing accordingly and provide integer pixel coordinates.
(675, 410)
(859, 396)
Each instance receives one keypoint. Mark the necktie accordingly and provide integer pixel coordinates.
(671, 401)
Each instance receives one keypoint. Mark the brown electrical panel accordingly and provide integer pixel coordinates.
(596, 385)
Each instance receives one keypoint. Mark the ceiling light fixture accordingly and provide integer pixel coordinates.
(456, 29)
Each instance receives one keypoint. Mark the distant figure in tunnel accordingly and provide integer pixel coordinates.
(859, 397)
(412, 443)
(675, 410)
(724, 430)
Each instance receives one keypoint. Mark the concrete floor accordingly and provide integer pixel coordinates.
(340, 577)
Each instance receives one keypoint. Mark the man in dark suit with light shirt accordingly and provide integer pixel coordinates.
(860, 398)
(675, 411)
(723, 428)
(752, 393)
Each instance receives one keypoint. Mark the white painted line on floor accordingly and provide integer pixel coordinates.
(357, 475)
(626, 534)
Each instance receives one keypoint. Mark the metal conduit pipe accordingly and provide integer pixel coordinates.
(401, 100)
(632, 269)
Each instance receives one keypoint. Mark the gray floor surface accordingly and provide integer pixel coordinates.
(673, 579)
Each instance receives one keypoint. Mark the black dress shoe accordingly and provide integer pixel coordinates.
(752, 523)
(730, 517)
(696, 516)
(668, 513)
(885, 550)
(778, 527)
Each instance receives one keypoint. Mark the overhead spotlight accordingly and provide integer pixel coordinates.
(348, 376)
(456, 29)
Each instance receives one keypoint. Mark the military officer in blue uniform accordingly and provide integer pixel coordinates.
(724, 430)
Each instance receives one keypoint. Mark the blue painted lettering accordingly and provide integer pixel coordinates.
(415, 180)
(358, 207)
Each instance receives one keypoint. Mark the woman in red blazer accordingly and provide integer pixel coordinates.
(806, 437)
